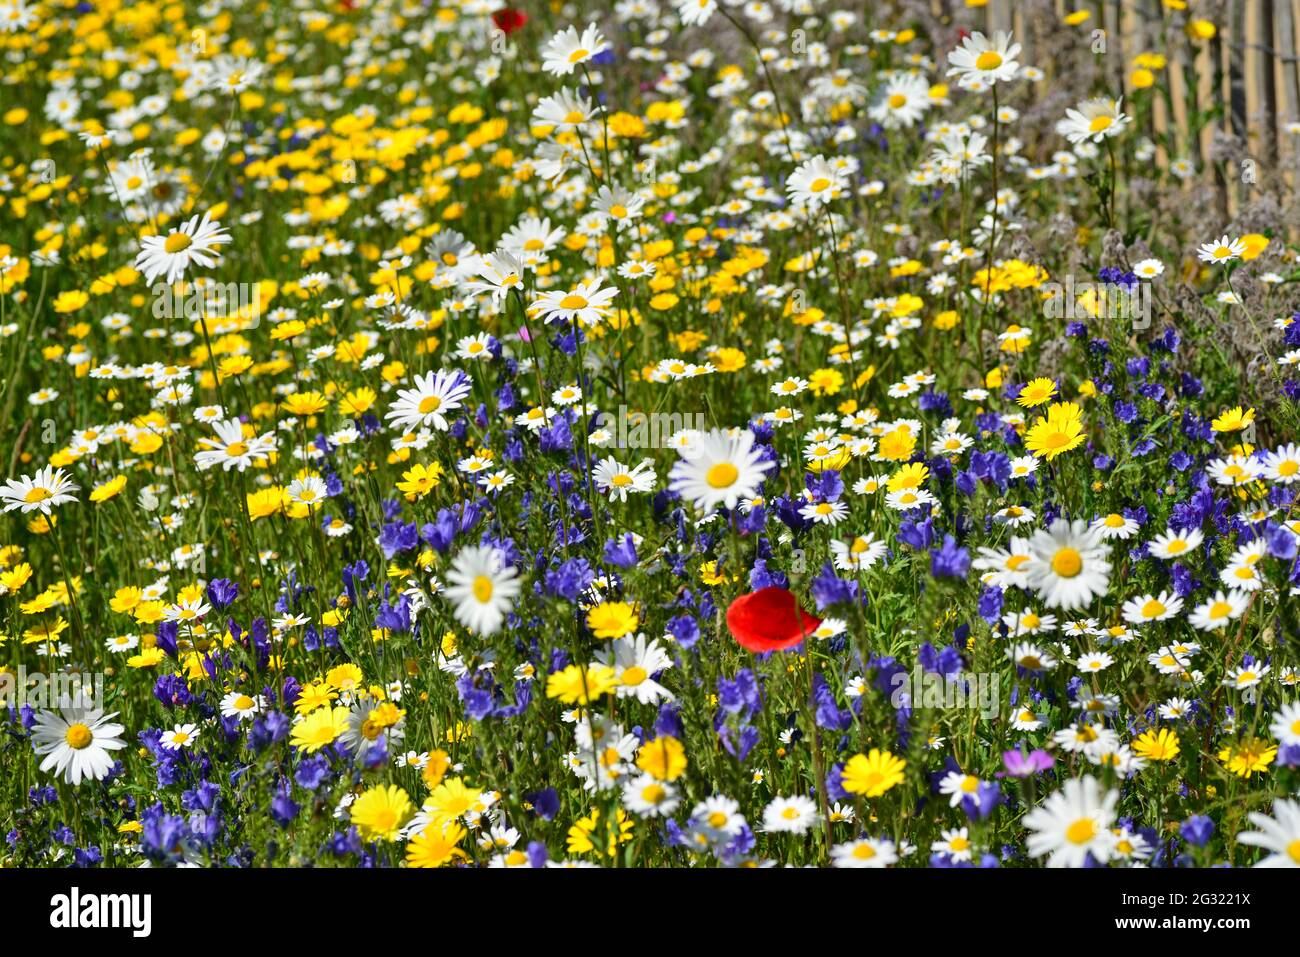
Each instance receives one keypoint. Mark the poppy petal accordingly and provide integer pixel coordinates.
(769, 619)
(508, 21)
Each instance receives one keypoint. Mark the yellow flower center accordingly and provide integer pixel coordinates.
(820, 184)
(897, 100)
(1153, 609)
(1220, 609)
(79, 736)
(864, 852)
(988, 60)
(1081, 831)
(243, 702)
(430, 403)
(236, 449)
(1067, 562)
(573, 301)
(177, 242)
(482, 589)
(37, 494)
(722, 475)
(634, 676)
(1100, 123)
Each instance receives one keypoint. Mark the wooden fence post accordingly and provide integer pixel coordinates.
(1266, 85)
(1290, 68)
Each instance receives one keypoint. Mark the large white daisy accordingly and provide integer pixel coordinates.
(1073, 823)
(194, 241)
(586, 302)
(39, 493)
(1067, 565)
(617, 480)
(719, 469)
(231, 449)
(1279, 835)
(76, 742)
(1094, 120)
(569, 48)
(434, 395)
(814, 182)
(981, 60)
(482, 588)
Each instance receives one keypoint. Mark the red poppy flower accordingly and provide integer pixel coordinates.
(508, 21)
(769, 619)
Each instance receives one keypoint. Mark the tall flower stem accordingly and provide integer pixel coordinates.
(993, 232)
(844, 302)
